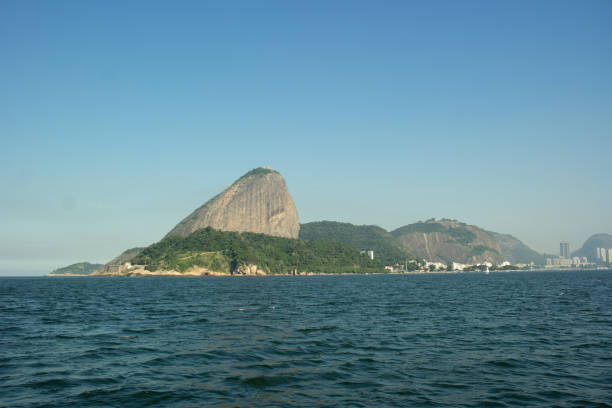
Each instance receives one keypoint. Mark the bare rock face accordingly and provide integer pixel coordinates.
(258, 202)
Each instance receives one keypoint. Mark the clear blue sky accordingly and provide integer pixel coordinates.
(119, 118)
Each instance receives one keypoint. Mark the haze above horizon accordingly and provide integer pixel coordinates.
(117, 119)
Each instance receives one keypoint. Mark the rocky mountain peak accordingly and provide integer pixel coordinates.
(259, 201)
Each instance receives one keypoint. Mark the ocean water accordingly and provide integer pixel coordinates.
(499, 340)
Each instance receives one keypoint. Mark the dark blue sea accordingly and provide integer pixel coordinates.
(500, 340)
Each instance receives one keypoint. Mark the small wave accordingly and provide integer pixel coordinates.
(555, 394)
(191, 358)
(66, 337)
(333, 375)
(510, 363)
(247, 357)
(590, 403)
(315, 329)
(99, 392)
(50, 320)
(489, 403)
(100, 353)
(150, 397)
(263, 381)
(10, 329)
(139, 331)
(450, 385)
(516, 396)
(53, 383)
(590, 345)
(358, 384)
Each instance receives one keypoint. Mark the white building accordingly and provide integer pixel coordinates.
(437, 265)
(371, 254)
(558, 262)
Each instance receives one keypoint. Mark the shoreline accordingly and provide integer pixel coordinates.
(221, 274)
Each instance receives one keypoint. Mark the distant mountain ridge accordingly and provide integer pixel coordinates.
(595, 241)
(81, 268)
(433, 240)
(448, 240)
(516, 251)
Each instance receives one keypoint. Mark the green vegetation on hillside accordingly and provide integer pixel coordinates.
(361, 237)
(423, 227)
(224, 251)
(81, 268)
(481, 249)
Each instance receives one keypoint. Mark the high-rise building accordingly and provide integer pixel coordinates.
(610, 256)
(564, 249)
(598, 253)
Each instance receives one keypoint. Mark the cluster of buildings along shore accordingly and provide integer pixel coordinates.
(414, 266)
(603, 258)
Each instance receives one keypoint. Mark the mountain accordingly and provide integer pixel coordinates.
(517, 252)
(115, 263)
(591, 244)
(450, 240)
(259, 201)
(361, 237)
(212, 252)
(81, 268)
